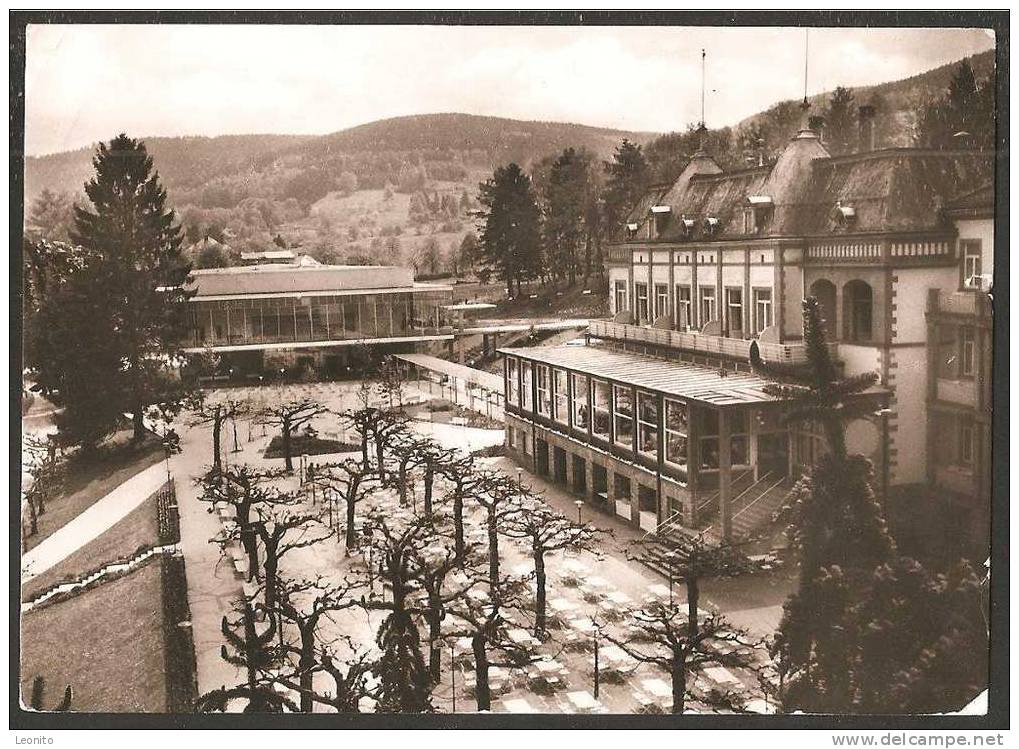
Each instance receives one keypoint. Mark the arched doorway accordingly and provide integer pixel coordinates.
(824, 292)
(858, 311)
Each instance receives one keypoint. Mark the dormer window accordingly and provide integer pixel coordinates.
(844, 214)
(631, 231)
(711, 225)
(659, 219)
(756, 213)
(688, 227)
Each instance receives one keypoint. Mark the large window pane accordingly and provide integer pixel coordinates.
(647, 424)
(623, 408)
(601, 392)
(561, 396)
(580, 409)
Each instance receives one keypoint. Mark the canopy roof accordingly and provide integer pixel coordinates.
(706, 385)
(461, 372)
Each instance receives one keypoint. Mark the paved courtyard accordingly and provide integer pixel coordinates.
(581, 587)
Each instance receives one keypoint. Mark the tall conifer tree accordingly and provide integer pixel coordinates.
(138, 270)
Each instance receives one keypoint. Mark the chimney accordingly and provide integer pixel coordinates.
(866, 115)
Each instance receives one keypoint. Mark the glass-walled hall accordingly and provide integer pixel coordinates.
(238, 322)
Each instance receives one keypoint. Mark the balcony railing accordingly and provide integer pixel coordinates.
(973, 302)
(701, 343)
(961, 392)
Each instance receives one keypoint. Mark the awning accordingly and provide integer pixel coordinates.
(470, 375)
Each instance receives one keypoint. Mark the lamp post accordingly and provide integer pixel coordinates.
(452, 672)
(580, 508)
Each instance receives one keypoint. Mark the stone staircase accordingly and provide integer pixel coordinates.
(753, 507)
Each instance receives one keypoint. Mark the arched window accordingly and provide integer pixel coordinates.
(858, 310)
(823, 291)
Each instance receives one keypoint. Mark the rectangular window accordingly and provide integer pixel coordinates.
(601, 407)
(620, 296)
(525, 442)
(544, 390)
(647, 424)
(511, 437)
(512, 384)
(683, 308)
(642, 303)
(676, 432)
(707, 305)
(661, 300)
(580, 407)
(967, 350)
(526, 394)
(972, 264)
(623, 410)
(734, 310)
(561, 395)
(749, 224)
(762, 309)
(966, 447)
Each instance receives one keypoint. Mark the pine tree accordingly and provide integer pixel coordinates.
(511, 238)
(963, 117)
(838, 530)
(840, 121)
(566, 201)
(138, 271)
(628, 178)
(52, 216)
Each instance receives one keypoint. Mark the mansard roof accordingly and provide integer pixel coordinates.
(893, 190)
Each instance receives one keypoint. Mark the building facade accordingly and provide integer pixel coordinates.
(717, 259)
(265, 316)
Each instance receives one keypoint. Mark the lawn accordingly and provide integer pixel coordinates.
(307, 445)
(138, 528)
(88, 481)
(107, 643)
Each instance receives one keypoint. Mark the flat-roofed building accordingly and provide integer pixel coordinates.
(261, 315)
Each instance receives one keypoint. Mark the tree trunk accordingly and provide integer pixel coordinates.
(351, 534)
(137, 418)
(217, 426)
(458, 528)
(539, 593)
(482, 692)
(678, 681)
(493, 552)
(307, 665)
(434, 633)
(692, 595)
(288, 459)
(402, 488)
(364, 448)
(271, 566)
(429, 476)
(380, 457)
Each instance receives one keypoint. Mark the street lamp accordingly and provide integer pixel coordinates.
(580, 507)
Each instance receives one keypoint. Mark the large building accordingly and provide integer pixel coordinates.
(716, 259)
(272, 316)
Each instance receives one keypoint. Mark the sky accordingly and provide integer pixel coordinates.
(88, 83)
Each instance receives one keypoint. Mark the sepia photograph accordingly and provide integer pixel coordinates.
(502, 371)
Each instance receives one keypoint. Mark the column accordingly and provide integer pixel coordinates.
(589, 480)
(724, 473)
(635, 502)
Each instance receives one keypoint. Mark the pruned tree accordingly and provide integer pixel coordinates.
(352, 482)
(436, 568)
(484, 621)
(407, 450)
(44, 479)
(289, 416)
(216, 413)
(256, 653)
(691, 561)
(434, 457)
(245, 489)
(661, 636)
(499, 501)
(304, 603)
(544, 530)
(281, 531)
(465, 481)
